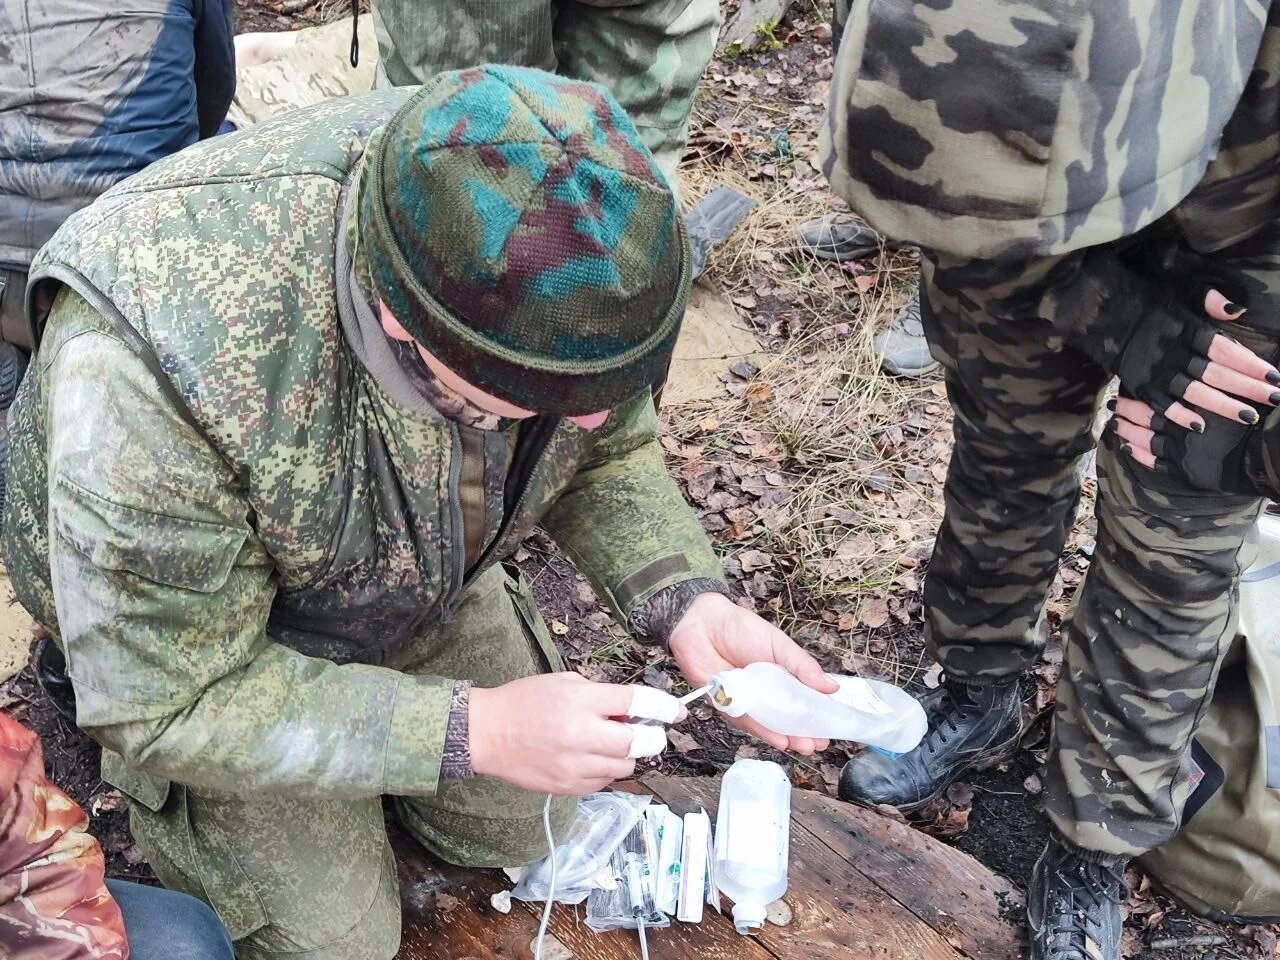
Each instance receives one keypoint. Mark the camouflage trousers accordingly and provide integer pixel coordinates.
(310, 879)
(1156, 612)
(649, 53)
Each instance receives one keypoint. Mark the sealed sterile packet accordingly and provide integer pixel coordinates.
(583, 855)
(668, 829)
(630, 903)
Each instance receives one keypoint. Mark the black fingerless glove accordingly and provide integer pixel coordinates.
(1139, 329)
(1227, 458)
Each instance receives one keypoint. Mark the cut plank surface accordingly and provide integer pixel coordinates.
(861, 886)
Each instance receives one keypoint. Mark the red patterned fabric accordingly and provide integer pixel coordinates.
(54, 903)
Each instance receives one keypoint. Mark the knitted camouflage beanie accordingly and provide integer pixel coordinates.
(519, 230)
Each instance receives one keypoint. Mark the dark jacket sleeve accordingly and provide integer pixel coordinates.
(215, 63)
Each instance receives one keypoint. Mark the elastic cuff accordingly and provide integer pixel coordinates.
(1090, 856)
(455, 763)
(654, 620)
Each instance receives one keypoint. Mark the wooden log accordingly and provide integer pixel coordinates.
(861, 888)
(752, 24)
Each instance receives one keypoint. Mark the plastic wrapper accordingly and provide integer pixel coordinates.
(583, 855)
(630, 901)
(668, 829)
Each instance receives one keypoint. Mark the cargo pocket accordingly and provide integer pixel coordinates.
(536, 633)
(175, 551)
(197, 861)
(953, 109)
(105, 548)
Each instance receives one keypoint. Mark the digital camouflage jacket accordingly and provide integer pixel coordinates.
(226, 520)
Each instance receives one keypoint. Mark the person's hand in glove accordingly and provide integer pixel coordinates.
(1163, 350)
(1227, 457)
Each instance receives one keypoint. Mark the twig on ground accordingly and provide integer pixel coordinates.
(1199, 940)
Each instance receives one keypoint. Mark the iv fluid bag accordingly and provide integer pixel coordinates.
(865, 711)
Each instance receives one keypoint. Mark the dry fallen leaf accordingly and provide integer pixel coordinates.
(446, 903)
(875, 613)
(682, 742)
(105, 802)
(948, 816)
(753, 560)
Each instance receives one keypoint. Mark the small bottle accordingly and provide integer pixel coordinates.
(865, 711)
(753, 833)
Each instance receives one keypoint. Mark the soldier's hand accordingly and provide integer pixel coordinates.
(1232, 371)
(716, 634)
(556, 733)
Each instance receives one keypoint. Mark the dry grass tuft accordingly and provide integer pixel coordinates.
(852, 459)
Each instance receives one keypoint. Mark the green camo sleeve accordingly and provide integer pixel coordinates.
(622, 518)
(162, 593)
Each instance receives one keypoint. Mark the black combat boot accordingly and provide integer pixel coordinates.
(971, 727)
(51, 673)
(1073, 907)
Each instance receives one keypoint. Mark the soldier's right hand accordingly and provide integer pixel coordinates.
(555, 733)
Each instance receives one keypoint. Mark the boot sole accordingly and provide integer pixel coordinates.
(840, 256)
(910, 373)
(996, 757)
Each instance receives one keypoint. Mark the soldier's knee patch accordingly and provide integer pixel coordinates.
(288, 878)
(502, 829)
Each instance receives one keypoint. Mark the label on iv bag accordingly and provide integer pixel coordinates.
(857, 693)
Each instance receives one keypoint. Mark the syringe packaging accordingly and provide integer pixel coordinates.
(631, 903)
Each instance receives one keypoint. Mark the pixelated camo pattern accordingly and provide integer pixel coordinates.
(222, 258)
(517, 214)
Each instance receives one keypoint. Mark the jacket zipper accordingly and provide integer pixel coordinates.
(458, 538)
(542, 440)
(546, 429)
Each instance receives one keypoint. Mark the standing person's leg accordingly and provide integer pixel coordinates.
(1144, 644)
(417, 40)
(496, 635)
(1153, 620)
(1024, 415)
(15, 342)
(164, 925)
(1023, 418)
(13, 321)
(650, 54)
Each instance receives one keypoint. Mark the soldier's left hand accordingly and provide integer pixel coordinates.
(716, 634)
(1216, 459)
